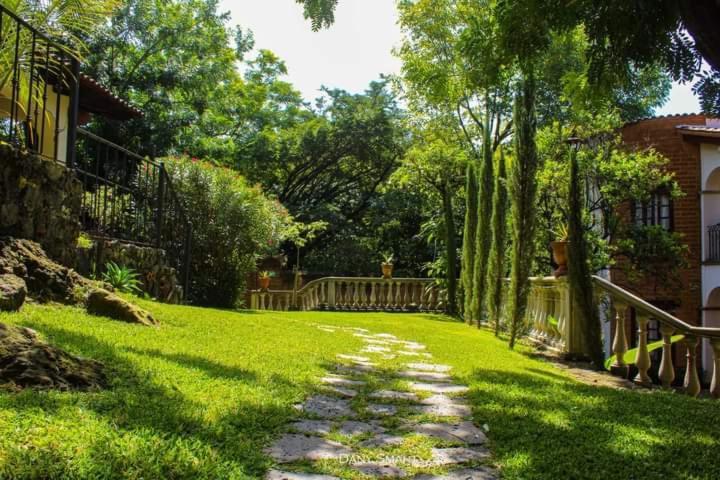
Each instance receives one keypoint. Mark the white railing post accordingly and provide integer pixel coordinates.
(715, 384)
(642, 360)
(692, 380)
(331, 294)
(620, 344)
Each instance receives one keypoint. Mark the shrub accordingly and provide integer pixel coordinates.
(233, 224)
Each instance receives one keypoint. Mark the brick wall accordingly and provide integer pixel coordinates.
(661, 134)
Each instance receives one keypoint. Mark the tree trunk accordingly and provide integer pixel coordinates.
(451, 248)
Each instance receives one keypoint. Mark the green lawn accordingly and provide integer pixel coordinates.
(200, 396)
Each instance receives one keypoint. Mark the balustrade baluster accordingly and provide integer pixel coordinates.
(667, 370)
(397, 300)
(373, 297)
(620, 344)
(692, 380)
(715, 384)
(642, 360)
(405, 301)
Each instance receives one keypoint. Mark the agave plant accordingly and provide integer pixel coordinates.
(122, 278)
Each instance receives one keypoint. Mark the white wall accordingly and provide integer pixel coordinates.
(710, 206)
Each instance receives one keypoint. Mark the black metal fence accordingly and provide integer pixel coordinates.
(713, 246)
(35, 74)
(126, 197)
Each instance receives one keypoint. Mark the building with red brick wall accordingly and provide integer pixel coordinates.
(692, 145)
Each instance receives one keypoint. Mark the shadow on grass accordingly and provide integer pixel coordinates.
(544, 428)
(152, 429)
(210, 368)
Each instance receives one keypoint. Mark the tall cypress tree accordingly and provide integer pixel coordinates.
(469, 233)
(484, 233)
(579, 274)
(523, 190)
(496, 262)
(450, 246)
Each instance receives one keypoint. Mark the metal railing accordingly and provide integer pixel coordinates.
(37, 75)
(713, 246)
(131, 198)
(126, 197)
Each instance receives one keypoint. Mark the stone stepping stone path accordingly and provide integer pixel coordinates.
(371, 408)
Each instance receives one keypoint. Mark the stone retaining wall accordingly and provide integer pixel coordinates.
(39, 200)
(159, 279)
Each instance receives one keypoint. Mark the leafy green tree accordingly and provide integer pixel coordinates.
(496, 262)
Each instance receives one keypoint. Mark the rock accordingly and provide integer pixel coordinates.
(292, 447)
(443, 406)
(105, 304)
(342, 391)
(26, 361)
(280, 475)
(375, 349)
(13, 291)
(46, 280)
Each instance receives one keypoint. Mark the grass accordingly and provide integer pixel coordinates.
(203, 394)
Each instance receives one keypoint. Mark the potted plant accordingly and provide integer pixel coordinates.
(264, 279)
(387, 265)
(559, 249)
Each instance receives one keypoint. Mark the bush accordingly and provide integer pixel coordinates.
(233, 224)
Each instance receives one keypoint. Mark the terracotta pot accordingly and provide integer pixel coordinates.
(264, 283)
(559, 249)
(387, 270)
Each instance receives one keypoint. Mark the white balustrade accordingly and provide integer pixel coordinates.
(356, 294)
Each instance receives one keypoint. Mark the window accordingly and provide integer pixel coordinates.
(657, 210)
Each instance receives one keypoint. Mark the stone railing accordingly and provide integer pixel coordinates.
(669, 326)
(551, 320)
(355, 293)
(549, 314)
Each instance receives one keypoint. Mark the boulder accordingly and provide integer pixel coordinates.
(27, 361)
(103, 303)
(13, 291)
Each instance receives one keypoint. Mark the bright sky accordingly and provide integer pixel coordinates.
(354, 51)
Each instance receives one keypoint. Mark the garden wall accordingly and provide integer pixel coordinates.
(158, 279)
(39, 200)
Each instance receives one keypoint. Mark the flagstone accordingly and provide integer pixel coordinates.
(429, 367)
(382, 440)
(454, 456)
(352, 428)
(425, 376)
(293, 447)
(314, 427)
(340, 381)
(382, 470)
(478, 473)
(375, 349)
(342, 391)
(395, 395)
(353, 358)
(438, 387)
(280, 475)
(327, 407)
(465, 432)
(381, 409)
